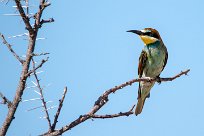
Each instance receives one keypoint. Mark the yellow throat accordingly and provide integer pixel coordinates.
(148, 40)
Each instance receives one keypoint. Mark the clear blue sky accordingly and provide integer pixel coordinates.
(92, 52)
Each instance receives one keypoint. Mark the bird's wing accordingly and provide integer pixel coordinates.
(142, 62)
(166, 58)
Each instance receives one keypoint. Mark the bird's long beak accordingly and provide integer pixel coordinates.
(138, 32)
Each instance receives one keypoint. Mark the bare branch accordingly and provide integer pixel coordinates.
(11, 50)
(102, 100)
(46, 21)
(24, 17)
(128, 113)
(41, 95)
(34, 54)
(5, 100)
(40, 65)
(43, 4)
(26, 65)
(176, 76)
(59, 109)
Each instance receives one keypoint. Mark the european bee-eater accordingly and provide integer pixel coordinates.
(152, 61)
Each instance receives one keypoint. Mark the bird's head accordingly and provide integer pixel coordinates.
(148, 35)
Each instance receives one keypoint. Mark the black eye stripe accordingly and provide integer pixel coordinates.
(151, 34)
(148, 33)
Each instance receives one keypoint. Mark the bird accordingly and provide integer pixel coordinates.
(152, 61)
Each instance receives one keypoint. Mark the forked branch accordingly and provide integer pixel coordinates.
(39, 66)
(5, 100)
(103, 99)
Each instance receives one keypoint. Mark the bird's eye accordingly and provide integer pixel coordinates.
(148, 33)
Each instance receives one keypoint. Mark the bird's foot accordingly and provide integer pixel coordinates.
(149, 79)
(158, 79)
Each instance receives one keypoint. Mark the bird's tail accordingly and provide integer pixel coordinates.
(140, 105)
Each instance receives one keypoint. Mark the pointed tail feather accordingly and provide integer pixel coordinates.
(139, 107)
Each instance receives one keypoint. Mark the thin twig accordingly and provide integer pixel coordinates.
(46, 21)
(128, 113)
(43, 4)
(41, 95)
(6, 1)
(40, 54)
(5, 100)
(176, 76)
(40, 65)
(59, 109)
(24, 17)
(102, 100)
(10, 48)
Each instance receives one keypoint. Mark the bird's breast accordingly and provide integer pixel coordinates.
(155, 61)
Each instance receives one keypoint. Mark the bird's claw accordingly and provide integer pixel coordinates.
(158, 79)
(148, 79)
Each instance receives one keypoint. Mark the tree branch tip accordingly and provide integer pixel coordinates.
(33, 54)
(65, 89)
(186, 73)
(5, 100)
(9, 46)
(46, 59)
(50, 20)
(132, 108)
(46, 4)
(59, 109)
